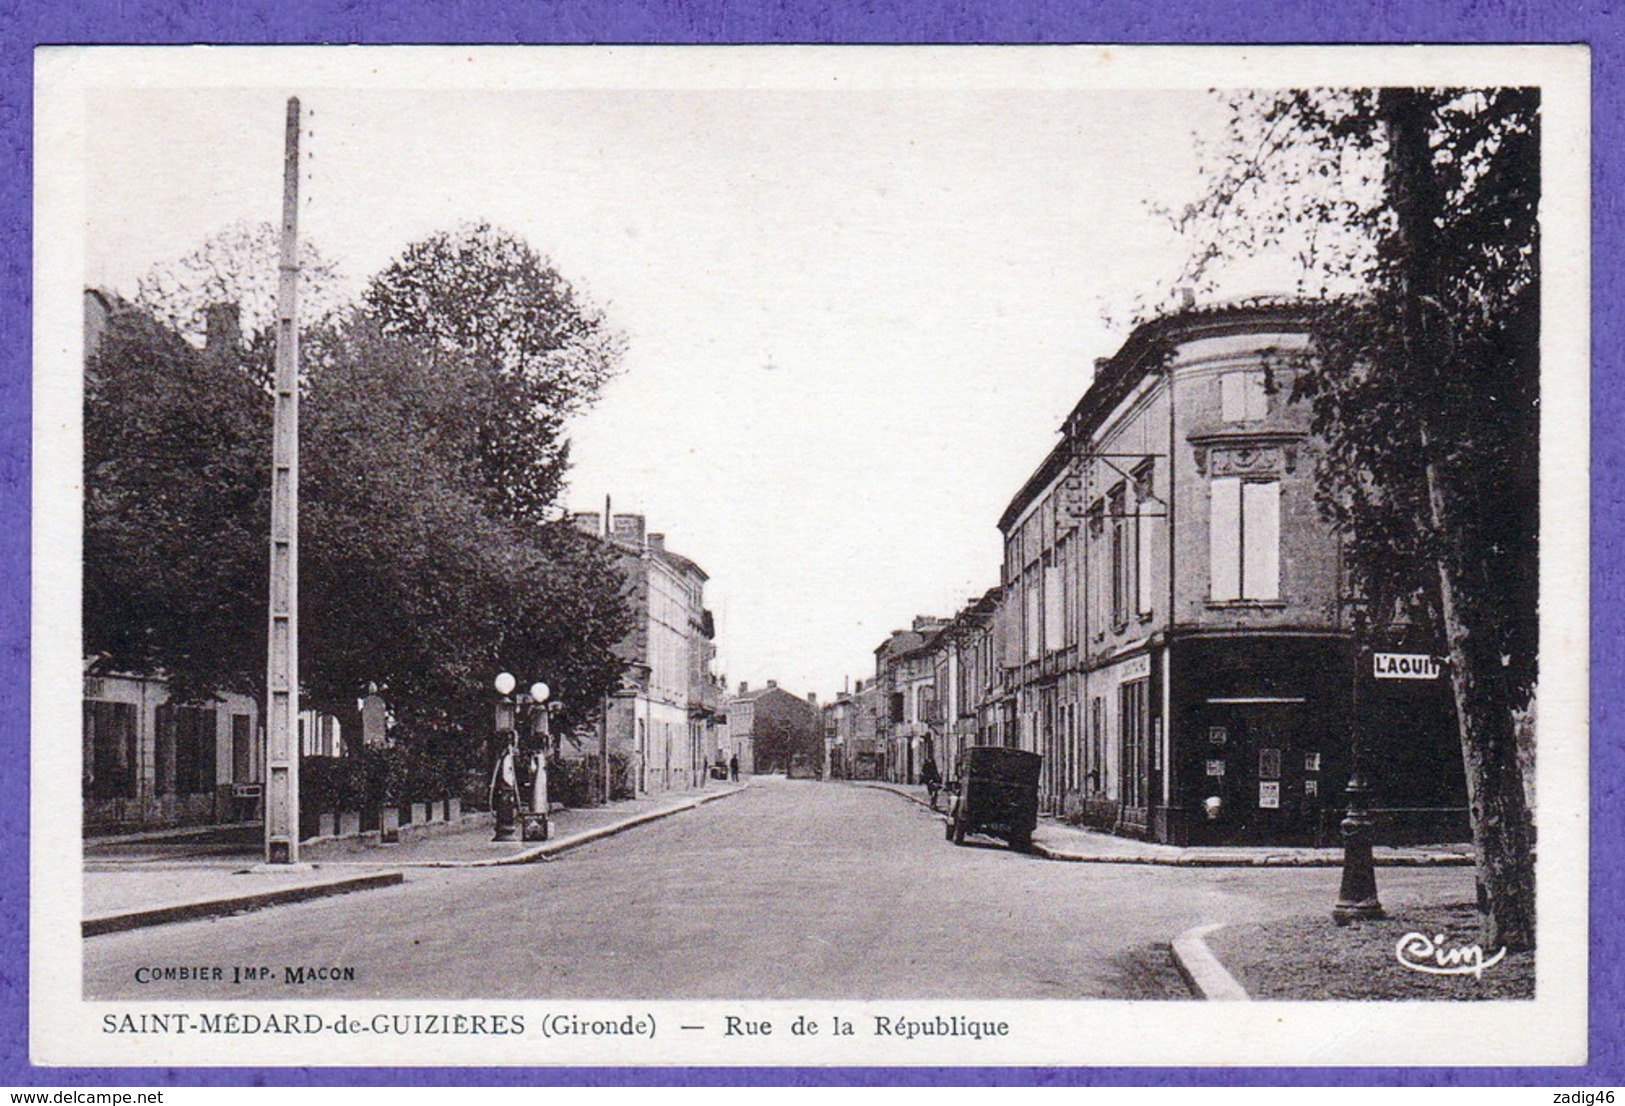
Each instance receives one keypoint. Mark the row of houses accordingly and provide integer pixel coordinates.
(1172, 627)
(673, 718)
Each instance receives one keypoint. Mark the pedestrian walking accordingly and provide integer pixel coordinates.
(932, 778)
(733, 768)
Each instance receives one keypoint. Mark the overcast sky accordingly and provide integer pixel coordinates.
(855, 317)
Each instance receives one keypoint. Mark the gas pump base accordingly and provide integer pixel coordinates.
(535, 827)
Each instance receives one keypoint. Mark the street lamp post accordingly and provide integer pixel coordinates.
(520, 816)
(1357, 897)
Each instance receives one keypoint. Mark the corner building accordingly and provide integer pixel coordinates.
(665, 717)
(1177, 619)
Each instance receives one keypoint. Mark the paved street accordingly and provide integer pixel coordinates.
(790, 889)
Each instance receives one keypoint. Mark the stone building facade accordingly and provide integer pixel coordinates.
(149, 763)
(908, 725)
(1174, 622)
(775, 730)
(664, 721)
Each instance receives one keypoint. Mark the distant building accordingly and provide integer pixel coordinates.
(776, 731)
(665, 719)
(841, 734)
(849, 732)
(967, 678)
(905, 673)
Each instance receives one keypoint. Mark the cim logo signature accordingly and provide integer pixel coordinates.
(1432, 955)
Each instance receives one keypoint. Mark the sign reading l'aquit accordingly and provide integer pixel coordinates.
(1404, 666)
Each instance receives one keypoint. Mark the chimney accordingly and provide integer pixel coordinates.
(771, 684)
(812, 697)
(657, 542)
(1101, 365)
(222, 330)
(1187, 298)
(628, 528)
(744, 686)
(589, 522)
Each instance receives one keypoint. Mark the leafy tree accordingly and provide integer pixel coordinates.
(414, 582)
(484, 293)
(407, 578)
(783, 730)
(1425, 386)
(431, 456)
(238, 265)
(176, 508)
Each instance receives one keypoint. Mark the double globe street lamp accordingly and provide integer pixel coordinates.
(519, 780)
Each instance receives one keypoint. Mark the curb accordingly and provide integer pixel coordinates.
(212, 908)
(179, 833)
(1216, 860)
(548, 849)
(1201, 970)
(1237, 860)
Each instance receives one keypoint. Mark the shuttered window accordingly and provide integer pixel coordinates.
(1244, 540)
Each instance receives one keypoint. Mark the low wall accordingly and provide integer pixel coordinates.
(314, 848)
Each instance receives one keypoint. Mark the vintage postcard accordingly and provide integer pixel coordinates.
(810, 556)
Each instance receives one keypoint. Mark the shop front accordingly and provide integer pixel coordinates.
(1258, 752)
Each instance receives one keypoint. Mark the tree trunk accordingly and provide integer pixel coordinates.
(1503, 834)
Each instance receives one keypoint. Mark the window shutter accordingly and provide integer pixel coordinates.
(1262, 528)
(1224, 540)
(1146, 543)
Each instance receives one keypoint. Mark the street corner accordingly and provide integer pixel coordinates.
(1202, 971)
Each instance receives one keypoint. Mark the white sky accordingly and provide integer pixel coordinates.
(856, 318)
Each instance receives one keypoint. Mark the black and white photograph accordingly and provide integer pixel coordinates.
(827, 555)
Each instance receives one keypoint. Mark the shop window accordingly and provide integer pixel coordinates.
(1134, 710)
(1244, 540)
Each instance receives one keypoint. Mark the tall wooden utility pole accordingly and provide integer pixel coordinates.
(282, 667)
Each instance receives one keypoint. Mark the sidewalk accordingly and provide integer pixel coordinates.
(473, 847)
(1056, 840)
(148, 887)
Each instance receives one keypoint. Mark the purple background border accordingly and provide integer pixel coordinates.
(880, 21)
